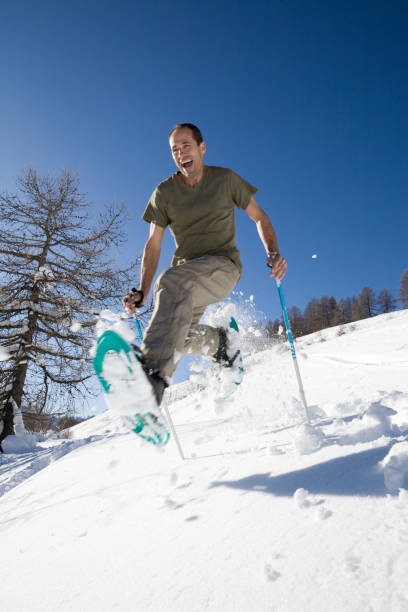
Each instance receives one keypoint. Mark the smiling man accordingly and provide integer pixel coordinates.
(198, 204)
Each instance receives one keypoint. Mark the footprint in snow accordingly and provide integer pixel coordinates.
(322, 514)
(178, 483)
(172, 504)
(186, 483)
(203, 439)
(270, 573)
(304, 500)
(173, 478)
(353, 564)
(274, 450)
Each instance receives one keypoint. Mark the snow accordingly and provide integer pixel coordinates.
(396, 467)
(44, 273)
(308, 439)
(4, 355)
(266, 513)
(75, 326)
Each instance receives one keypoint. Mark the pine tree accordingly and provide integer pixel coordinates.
(403, 289)
(342, 313)
(365, 305)
(386, 302)
(327, 308)
(332, 309)
(369, 301)
(312, 316)
(273, 329)
(57, 271)
(358, 311)
(297, 323)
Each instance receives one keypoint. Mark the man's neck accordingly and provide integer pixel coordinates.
(193, 181)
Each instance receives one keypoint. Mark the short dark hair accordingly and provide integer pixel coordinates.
(198, 137)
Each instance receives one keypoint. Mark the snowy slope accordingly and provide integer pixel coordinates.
(265, 513)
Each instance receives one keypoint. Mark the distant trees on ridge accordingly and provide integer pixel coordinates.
(328, 312)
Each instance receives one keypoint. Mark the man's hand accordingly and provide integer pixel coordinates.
(278, 265)
(132, 300)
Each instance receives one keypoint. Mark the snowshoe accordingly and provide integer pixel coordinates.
(129, 389)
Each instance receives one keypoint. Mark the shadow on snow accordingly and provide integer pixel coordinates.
(357, 474)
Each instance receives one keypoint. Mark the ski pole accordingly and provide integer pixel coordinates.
(139, 329)
(166, 410)
(292, 348)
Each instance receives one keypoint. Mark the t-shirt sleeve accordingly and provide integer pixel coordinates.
(241, 190)
(156, 209)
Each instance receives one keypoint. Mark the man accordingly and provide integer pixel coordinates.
(197, 203)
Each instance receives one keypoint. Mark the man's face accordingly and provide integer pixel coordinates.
(187, 154)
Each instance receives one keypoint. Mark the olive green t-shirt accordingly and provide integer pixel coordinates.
(201, 218)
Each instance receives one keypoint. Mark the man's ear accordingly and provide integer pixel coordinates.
(203, 147)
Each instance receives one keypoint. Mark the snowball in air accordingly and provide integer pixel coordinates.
(314, 256)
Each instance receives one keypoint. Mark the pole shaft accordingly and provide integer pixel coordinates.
(292, 348)
(139, 329)
(173, 430)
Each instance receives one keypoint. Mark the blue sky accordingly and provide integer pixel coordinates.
(305, 99)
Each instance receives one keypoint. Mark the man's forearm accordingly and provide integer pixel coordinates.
(267, 234)
(150, 261)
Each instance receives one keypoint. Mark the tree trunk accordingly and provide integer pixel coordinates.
(16, 392)
(8, 422)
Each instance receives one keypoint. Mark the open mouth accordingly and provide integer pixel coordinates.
(187, 165)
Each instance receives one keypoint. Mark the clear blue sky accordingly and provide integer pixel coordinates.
(305, 99)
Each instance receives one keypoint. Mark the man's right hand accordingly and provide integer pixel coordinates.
(132, 300)
(278, 265)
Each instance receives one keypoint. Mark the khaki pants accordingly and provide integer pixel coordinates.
(181, 294)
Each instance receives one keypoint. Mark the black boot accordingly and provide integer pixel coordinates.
(158, 383)
(221, 355)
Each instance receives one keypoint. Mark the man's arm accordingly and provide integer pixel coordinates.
(150, 261)
(151, 256)
(268, 237)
